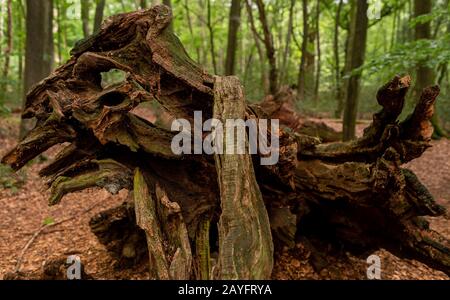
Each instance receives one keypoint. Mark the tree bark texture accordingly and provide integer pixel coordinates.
(244, 223)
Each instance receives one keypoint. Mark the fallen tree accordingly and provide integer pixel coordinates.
(282, 107)
(189, 207)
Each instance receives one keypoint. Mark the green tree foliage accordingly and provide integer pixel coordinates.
(203, 26)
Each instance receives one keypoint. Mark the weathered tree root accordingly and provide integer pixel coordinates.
(355, 192)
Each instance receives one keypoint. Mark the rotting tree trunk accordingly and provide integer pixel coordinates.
(354, 192)
(248, 255)
(167, 238)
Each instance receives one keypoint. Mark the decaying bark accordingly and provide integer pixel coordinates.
(165, 230)
(355, 192)
(245, 241)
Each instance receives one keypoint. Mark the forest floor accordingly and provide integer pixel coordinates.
(24, 210)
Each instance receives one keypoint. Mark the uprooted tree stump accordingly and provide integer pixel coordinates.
(187, 207)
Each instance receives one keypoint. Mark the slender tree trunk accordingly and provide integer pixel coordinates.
(60, 30)
(444, 66)
(439, 21)
(49, 50)
(204, 39)
(355, 59)
(233, 27)
(302, 71)
(20, 46)
(399, 33)
(394, 29)
(191, 30)
(258, 40)
(277, 28)
(287, 48)
(443, 72)
(247, 66)
(211, 35)
(36, 59)
(337, 68)
(143, 4)
(425, 75)
(319, 54)
(98, 19)
(270, 49)
(85, 17)
(1, 24)
(8, 49)
(409, 33)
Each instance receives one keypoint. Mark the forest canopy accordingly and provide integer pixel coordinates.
(303, 44)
